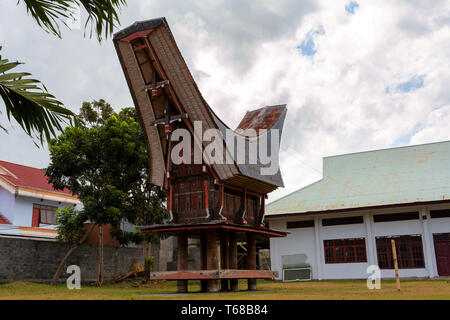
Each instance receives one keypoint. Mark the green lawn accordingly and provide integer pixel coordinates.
(316, 290)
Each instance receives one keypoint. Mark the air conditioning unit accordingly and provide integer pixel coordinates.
(295, 268)
(297, 274)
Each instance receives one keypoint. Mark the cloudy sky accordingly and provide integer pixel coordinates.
(355, 75)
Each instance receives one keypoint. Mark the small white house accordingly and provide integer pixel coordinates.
(344, 222)
(28, 203)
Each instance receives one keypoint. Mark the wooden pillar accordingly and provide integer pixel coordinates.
(211, 253)
(224, 261)
(251, 258)
(203, 259)
(182, 259)
(233, 261)
(394, 255)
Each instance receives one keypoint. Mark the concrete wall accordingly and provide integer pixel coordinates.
(37, 260)
(309, 241)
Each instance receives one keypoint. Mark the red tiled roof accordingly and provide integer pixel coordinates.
(3, 220)
(28, 177)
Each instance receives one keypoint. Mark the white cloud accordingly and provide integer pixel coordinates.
(434, 128)
(244, 56)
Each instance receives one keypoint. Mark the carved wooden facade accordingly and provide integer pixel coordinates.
(226, 199)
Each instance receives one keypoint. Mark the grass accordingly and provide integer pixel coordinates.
(267, 290)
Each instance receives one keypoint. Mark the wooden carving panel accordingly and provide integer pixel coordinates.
(189, 199)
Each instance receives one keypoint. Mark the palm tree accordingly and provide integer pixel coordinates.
(26, 99)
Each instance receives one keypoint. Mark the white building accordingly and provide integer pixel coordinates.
(344, 222)
(28, 203)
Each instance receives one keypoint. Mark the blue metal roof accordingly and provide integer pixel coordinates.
(402, 175)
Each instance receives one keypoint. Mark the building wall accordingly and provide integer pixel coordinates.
(294, 243)
(309, 241)
(93, 237)
(335, 270)
(7, 204)
(23, 210)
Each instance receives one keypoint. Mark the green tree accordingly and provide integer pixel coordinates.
(106, 166)
(95, 113)
(26, 99)
(150, 201)
(70, 225)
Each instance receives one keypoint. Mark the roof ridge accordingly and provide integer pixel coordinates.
(22, 165)
(388, 148)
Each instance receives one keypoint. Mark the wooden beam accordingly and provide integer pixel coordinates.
(232, 274)
(157, 85)
(232, 258)
(173, 118)
(211, 253)
(262, 212)
(272, 233)
(203, 258)
(182, 259)
(394, 256)
(224, 259)
(138, 34)
(251, 258)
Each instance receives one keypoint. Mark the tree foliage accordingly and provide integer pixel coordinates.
(29, 103)
(95, 113)
(106, 165)
(27, 100)
(102, 15)
(70, 225)
(100, 165)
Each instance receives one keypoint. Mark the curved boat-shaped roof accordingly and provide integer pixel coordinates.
(267, 118)
(171, 63)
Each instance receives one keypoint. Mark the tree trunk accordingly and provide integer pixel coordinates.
(69, 253)
(145, 248)
(100, 254)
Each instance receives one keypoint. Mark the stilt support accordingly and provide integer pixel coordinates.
(182, 259)
(211, 253)
(232, 256)
(224, 261)
(251, 258)
(203, 259)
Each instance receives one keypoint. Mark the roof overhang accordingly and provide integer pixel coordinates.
(194, 230)
(28, 232)
(370, 208)
(37, 193)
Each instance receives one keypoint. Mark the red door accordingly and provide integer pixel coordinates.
(35, 220)
(442, 250)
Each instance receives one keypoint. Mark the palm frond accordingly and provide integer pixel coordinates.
(48, 13)
(102, 14)
(29, 103)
